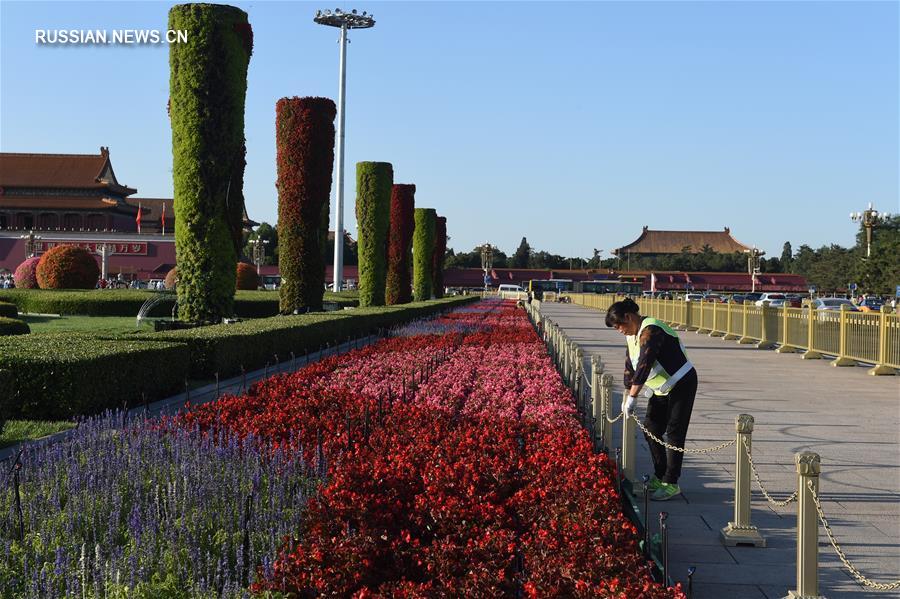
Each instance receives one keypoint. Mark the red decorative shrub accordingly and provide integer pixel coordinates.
(440, 248)
(67, 267)
(398, 289)
(26, 274)
(247, 279)
(171, 278)
(304, 139)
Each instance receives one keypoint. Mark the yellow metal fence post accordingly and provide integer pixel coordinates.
(741, 531)
(745, 339)
(842, 359)
(704, 308)
(767, 335)
(716, 332)
(786, 347)
(729, 322)
(808, 468)
(882, 367)
(811, 318)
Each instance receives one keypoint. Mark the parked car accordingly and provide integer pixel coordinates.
(714, 298)
(693, 297)
(833, 304)
(871, 304)
(771, 298)
(793, 301)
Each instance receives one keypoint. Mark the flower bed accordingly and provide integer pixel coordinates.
(448, 462)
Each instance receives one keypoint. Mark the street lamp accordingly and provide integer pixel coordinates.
(30, 244)
(753, 265)
(345, 21)
(104, 250)
(259, 251)
(487, 261)
(870, 218)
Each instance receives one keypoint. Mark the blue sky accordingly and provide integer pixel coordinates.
(574, 124)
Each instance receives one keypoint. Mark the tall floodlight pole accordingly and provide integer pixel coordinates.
(870, 218)
(753, 265)
(345, 21)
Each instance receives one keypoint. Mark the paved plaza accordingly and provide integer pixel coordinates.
(851, 419)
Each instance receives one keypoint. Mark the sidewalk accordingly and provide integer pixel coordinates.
(851, 419)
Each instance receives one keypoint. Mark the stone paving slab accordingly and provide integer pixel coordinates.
(850, 418)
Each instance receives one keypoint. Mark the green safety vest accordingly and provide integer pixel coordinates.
(659, 380)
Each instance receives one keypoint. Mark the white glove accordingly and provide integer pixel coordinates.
(628, 405)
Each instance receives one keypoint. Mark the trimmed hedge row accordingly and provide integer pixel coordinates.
(374, 181)
(225, 348)
(423, 249)
(304, 140)
(13, 326)
(58, 376)
(127, 302)
(208, 87)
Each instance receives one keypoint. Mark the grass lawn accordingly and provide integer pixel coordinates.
(22, 430)
(104, 325)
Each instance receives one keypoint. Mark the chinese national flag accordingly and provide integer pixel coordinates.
(494, 274)
(510, 275)
(162, 219)
(137, 219)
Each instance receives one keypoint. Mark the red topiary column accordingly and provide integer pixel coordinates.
(437, 264)
(399, 279)
(247, 279)
(304, 134)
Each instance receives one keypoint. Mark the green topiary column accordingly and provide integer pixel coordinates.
(398, 289)
(423, 251)
(208, 86)
(437, 258)
(304, 136)
(374, 181)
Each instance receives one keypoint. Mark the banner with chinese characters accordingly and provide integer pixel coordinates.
(115, 249)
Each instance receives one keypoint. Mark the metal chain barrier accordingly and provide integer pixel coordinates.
(613, 420)
(791, 498)
(586, 380)
(681, 449)
(840, 553)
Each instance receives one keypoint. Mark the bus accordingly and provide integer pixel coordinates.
(540, 286)
(609, 286)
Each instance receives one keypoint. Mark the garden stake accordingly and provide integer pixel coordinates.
(691, 571)
(349, 433)
(17, 465)
(646, 480)
(245, 543)
(664, 529)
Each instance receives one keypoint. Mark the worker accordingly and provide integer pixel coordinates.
(655, 358)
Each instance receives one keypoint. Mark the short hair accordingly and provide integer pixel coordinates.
(619, 311)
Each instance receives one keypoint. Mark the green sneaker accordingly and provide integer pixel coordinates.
(653, 484)
(666, 492)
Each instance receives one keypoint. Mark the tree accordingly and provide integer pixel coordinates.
(787, 257)
(208, 87)
(374, 182)
(304, 138)
(522, 256)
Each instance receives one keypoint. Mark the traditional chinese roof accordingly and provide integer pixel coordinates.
(63, 202)
(60, 171)
(672, 242)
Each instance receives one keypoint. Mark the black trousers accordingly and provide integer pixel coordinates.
(668, 417)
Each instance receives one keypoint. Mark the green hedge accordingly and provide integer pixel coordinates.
(423, 250)
(8, 310)
(374, 181)
(208, 88)
(225, 348)
(127, 302)
(58, 376)
(13, 326)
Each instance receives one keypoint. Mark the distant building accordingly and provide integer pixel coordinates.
(660, 243)
(77, 199)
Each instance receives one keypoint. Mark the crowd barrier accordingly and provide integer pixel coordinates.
(851, 337)
(593, 396)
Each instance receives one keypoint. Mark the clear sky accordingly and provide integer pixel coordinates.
(574, 124)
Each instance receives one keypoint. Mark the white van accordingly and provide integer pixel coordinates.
(511, 292)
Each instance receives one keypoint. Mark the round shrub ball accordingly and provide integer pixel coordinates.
(8, 310)
(247, 279)
(26, 274)
(67, 267)
(11, 326)
(171, 279)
